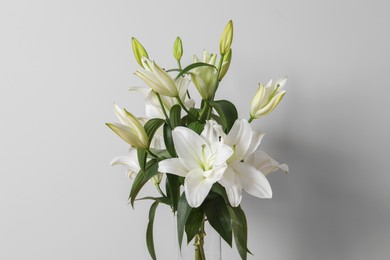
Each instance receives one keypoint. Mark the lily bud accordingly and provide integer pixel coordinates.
(267, 98)
(139, 51)
(225, 64)
(130, 129)
(226, 38)
(157, 79)
(177, 49)
(205, 77)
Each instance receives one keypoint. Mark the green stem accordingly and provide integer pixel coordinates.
(163, 109)
(250, 119)
(204, 114)
(179, 64)
(185, 109)
(151, 153)
(159, 190)
(199, 243)
(219, 72)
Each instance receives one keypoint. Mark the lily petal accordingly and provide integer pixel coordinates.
(196, 187)
(229, 178)
(234, 194)
(252, 180)
(238, 139)
(173, 166)
(264, 163)
(189, 144)
(255, 142)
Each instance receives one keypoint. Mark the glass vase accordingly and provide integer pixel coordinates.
(202, 247)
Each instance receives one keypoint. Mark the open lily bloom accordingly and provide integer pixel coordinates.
(240, 175)
(201, 160)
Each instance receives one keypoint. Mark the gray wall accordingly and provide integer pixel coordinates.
(64, 63)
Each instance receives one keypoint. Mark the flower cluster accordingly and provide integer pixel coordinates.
(206, 155)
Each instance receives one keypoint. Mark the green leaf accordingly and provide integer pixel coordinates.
(183, 211)
(219, 189)
(240, 230)
(170, 70)
(193, 223)
(149, 230)
(174, 190)
(141, 179)
(138, 182)
(152, 126)
(163, 200)
(227, 112)
(161, 154)
(189, 119)
(219, 218)
(142, 155)
(151, 169)
(192, 66)
(168, 140)
(196, 127)
(175, 116)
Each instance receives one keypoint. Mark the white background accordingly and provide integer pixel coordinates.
(64, 63)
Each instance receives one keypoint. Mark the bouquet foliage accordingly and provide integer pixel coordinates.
(200, 157)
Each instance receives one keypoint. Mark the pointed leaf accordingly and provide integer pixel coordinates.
(227, 112)
(183, 211)
(141, 179)
(192, 66)
(152, 126)
(175, 116)
(219, 218)
(142, 155)
(163, 200)
(240, 230)
(151, 169)
(149, 230)
(174, 190)
(193, 223)
(169, 141)
(196, 127)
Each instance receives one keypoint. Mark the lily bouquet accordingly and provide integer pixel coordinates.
(205, 155)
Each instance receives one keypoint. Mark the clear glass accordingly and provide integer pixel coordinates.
(211, 246)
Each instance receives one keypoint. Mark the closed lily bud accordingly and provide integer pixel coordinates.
(157, 79)
(177, 49)
(226, 38)
(267, 98)
(205, 77)
(225, 64)
(139, 51)
(129, 129)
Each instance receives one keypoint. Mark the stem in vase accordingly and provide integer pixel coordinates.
(199, 242)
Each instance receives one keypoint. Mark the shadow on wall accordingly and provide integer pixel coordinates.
(318, 210)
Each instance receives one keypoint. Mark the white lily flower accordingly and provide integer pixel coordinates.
(130, 161)
(201, 160)
(132, 166)
(264, 163)
(157, 79)
(267, 98)
(240, 175)
(130, 129)
(205, 78)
